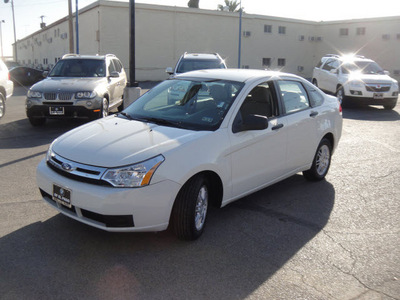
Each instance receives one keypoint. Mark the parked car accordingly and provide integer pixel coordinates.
(157, 164)
(25, 75)
(192, 62)
(356, 78)
(6, 87)
(78, 86)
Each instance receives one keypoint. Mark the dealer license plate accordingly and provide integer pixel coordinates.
(378, 95)
(56, 110)
(62, 195)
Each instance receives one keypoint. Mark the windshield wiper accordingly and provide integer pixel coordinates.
(164, 122)
(126, 115)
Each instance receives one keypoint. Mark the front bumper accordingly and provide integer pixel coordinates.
(371, 95)
(86, 108)
(108, 208)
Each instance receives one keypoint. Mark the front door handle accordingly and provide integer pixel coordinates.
(313, 113)
(276, 127)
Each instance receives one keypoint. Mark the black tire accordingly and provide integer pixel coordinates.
(37, 121)
(189, 213)
(2, 105)
(341, 96)
(321, 162)
(390, 105)
(315, 82)
(104, 108)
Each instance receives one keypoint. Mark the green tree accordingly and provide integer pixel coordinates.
(231, 5)
(193, 3)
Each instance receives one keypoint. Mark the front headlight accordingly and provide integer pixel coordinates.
(85, 95)
(136, 175)
(34, 94)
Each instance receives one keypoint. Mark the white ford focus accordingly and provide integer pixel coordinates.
(160, 164)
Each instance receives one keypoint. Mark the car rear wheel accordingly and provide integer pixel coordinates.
(321, 162)
(315, 82)
(189, 213)
(37, 121)
(2, 105)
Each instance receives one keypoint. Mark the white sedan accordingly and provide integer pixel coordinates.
(159, 164)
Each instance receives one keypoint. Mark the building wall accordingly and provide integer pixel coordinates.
(163, 33)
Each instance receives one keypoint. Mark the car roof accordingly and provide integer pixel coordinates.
(240, 75)
(86, 56)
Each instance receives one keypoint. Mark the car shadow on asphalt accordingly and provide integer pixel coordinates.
(244, 244)
(370, 113)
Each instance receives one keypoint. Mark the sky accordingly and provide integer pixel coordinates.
(28, 12)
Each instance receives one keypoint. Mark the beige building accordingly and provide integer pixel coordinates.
(163, 33)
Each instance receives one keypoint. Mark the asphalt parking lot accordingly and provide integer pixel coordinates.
(335, 239)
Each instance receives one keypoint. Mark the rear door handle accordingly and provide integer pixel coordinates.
(276, 127)
(313, 113)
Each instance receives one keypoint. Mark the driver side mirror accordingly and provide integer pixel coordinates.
(249, 122)
(45, 73)
(169, 71)
(114, 74)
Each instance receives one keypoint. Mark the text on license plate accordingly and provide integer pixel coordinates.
(62, 195)
(378, 95)
(56, 110)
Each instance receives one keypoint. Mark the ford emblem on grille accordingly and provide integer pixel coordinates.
(67, 167)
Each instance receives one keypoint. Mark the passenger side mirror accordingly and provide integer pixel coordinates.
(386, 72)
(249, 122)
(114, 74)
(169, 71)
(45, 73)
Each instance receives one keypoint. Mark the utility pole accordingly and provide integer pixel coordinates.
(240, 36)
(77, 27)
(15, 34)
(70, 27)
(132, 65)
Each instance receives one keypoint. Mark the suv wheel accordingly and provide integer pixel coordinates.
(104, 108)
(2, 105)
(340, 95)
(390, 105)
(315, 82)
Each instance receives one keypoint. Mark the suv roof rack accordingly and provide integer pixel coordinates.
(70, 55)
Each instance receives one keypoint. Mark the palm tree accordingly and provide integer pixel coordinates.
(231, 5)
(193, 3)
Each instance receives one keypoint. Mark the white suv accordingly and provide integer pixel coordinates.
(356, 78)
(6, 87)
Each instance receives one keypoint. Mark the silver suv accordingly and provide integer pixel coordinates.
(356, 78)
(6, 87)
(78, 86)
(197, 61)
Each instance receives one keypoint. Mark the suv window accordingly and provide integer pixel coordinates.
(117, 65)
(331, 64)
(187, 65)
(78, 68)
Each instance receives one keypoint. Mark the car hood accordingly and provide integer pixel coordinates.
(65, 84)
(114, 142)
(372, 78)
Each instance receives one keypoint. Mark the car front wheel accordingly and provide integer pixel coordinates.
(340, 95)
(321, 162)
(190, 209)
(2, 105)
(104, 108)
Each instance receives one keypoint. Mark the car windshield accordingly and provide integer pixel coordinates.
(188, 104)
(365, 67)
(79, 68)
(187, 65)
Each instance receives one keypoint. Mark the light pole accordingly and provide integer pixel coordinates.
(77, 27)
(1, 39)
(15, 34)
(240, 35)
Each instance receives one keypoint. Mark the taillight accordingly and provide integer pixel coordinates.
(9, 77)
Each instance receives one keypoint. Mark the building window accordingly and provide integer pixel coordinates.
(266, 61)
(282, 30)
(268, 28)
(281, 62)
(398, 36)
(246, 33)
(301, 37)
(45, 61)
(386, 37)
(245, 67)
(344, 31)
(360, 31)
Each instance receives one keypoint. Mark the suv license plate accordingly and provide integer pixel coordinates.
(56, 110)
(62, 195)
(378, 95)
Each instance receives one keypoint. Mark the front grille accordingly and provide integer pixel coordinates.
(376, 87)
(50, 96)
(77, 171)
(59, 96)
(58, 103)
